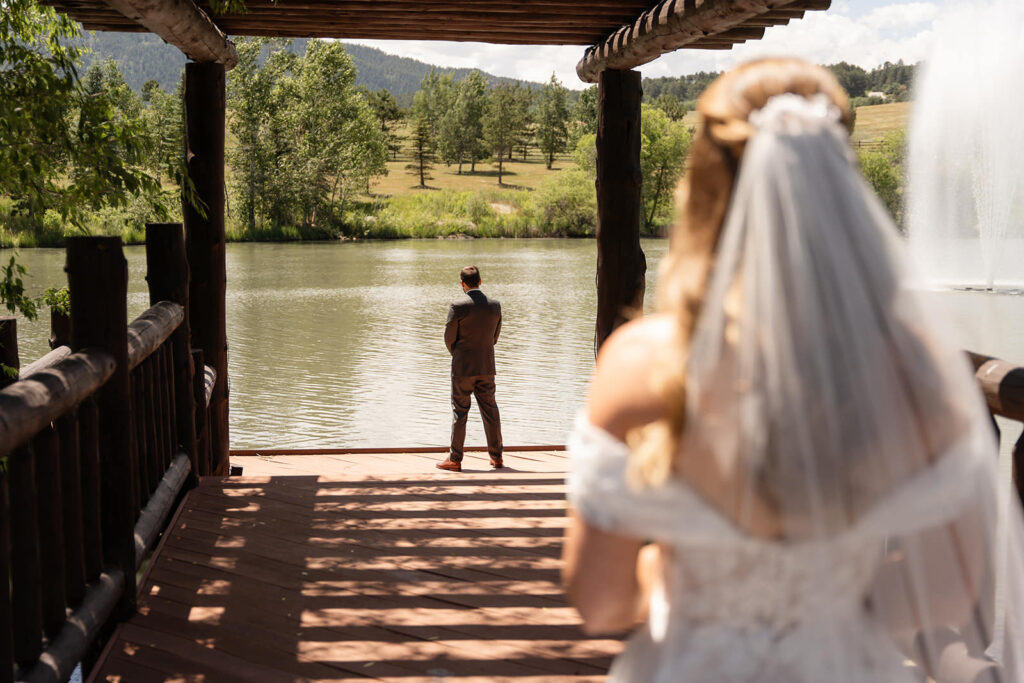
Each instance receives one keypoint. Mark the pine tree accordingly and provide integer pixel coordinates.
(525, 113)
(421, 140)
(552, 119)
(468, 117)
(503, 122)
(389, 114)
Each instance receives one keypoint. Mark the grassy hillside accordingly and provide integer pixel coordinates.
(521, 175)
(873, 121)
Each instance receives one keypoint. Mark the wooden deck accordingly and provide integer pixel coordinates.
(362, 567)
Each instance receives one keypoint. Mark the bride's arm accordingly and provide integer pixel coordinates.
(608, 576)
(600, 575)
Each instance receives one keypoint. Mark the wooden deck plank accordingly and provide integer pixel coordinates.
(380, 567)
(400, 463)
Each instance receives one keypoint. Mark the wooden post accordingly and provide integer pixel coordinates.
(165, 355)
(60, 329)
(9, 349)
(159, 407)
(9, 357)
(89, 454)
(620, 260)
(27, 590)
(25, 596)
(98, 281)
(202, 413)
(141, 448)
(46, 449)
(168, 277)
(204, 236)
(71, 500)
(145, 371)
(6, 616)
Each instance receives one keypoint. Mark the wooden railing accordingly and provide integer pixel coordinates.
(1002, 384)
(98, 438)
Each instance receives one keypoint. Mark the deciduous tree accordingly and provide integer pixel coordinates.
(664, 144)
(468, 117)
(584, 114)
(61, 147)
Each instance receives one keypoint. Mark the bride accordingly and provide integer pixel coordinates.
(788, 475)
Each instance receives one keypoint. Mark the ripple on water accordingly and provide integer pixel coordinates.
(342, 344)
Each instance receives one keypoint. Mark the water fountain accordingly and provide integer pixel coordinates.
(966, 157)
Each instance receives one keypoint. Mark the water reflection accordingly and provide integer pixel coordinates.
(341, 344)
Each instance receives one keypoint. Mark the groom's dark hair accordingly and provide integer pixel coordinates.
(470, 275)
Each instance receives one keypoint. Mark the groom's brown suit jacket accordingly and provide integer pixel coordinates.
(470, 334)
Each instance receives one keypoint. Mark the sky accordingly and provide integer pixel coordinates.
(863, 32)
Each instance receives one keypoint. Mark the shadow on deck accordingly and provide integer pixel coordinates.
(381, 567)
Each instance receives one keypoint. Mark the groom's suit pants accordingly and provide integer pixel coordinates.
(483, 388)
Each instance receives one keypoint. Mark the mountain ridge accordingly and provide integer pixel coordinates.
(143, 56)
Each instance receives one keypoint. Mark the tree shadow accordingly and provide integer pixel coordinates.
(492, 173)
(273, 578)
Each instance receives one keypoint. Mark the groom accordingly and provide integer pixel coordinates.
(474, 323)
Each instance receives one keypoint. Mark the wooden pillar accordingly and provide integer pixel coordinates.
(9, 349)
(204, 236)
(8, 357)
(168, 277)
(60, 329)
(620, 260)
(98, 284)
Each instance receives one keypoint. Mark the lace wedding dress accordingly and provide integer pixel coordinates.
(816, 379)
(734, 609)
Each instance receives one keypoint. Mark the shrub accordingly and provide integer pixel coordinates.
(884, 171)
(567, 205)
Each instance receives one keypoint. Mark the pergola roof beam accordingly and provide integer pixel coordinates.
(674, 24)
(566, 22)
(182, 24)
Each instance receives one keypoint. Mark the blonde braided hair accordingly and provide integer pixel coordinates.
(702, 200)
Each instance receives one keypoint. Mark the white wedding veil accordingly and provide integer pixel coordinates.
(817, 379)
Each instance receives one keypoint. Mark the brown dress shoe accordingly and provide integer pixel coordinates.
(497, 463)
(449, 465)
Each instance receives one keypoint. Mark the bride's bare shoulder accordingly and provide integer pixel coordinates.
(623, 394)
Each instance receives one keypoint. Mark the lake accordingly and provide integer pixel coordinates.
(340, 344)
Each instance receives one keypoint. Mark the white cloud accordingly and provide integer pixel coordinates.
(866, 33)
(824, 38)
(525, 62)
(900, 18)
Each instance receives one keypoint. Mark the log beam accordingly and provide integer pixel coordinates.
(672, 24)
(151, 329)
(27, 406)
(182, 24)
(620, 260)
(204, 239)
